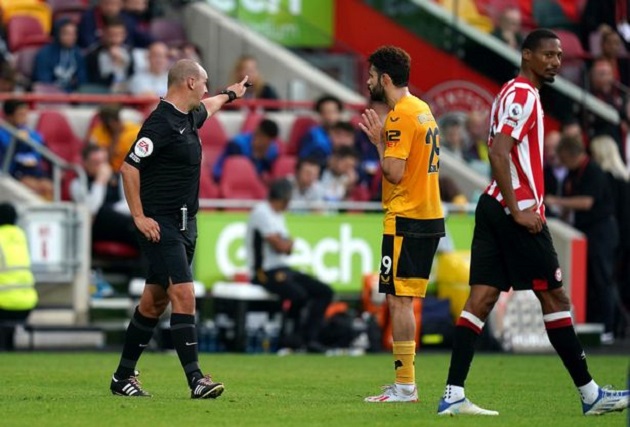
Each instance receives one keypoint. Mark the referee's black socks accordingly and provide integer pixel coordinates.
(139, 333)
(184, 336)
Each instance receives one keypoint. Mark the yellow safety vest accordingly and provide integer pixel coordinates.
(17, 284)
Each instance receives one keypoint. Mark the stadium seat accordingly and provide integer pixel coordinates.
(167, 31)
(251, 121)
(240, 180)
(573, 57)
(40, 11)
(59, 136)
(23, 31)
(467, 11)
(300, 126)
(71, 9)
(212, 133)
(207, 188)
(283, 166)
(25, 59)
(106, 248)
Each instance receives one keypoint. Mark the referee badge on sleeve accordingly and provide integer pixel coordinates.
(143, 147)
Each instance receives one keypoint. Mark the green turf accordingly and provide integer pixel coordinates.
(71, 389)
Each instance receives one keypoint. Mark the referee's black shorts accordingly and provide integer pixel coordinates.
(505, 255)
(172, 256)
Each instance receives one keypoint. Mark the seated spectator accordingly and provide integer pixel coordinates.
(509, 29)
(612, 51)
(453, 137)
(370, 162)
(307, 190)
(61, 63)
(247, 65)
(259, 146)
(110, 62)
(477, 127)
(17, 284)
(111, 219)
(554, 171)
(268, 245)
(340, 176)
(114, 134)
(140, 12)
(8, 78)
(317, 142)
(27, 165)
(152, 81)
(603, 87)
(93, 22)
(187, 50)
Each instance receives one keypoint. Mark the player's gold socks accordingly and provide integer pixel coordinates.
(404, 355)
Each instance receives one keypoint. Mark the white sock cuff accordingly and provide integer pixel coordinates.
(472, 319)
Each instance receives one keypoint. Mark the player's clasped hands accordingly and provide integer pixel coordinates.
(148, 227)
(372, 126)
(529, 219)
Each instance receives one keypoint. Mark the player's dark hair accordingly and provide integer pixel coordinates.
(8, 214)
(268, 128)
(394, 62)
(12, 105)
(571, 145)
(327, 98)
(308, 160)
(533, 39)
(280, 189)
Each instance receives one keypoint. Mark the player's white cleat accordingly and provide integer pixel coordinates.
(462, 407)
(393, 393)
(607, 401)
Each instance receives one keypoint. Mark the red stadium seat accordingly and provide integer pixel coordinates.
(207, 188)
(212, 133)
(251, 122)
(283, 166)
(112, 249)
(23, 31)
(25, 59)
(58, 135)
(240, 180)
(573, 57)
(167, 31)
(300, 127)
(71, 9)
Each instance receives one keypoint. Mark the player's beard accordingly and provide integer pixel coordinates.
(377, 93)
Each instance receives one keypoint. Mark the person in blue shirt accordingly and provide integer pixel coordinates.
(26, 165)
(316, 142)
(259, 146)
(61, 63)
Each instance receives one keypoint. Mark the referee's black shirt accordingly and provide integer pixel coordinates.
(167, 152)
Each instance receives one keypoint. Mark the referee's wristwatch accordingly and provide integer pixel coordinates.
(230, 93)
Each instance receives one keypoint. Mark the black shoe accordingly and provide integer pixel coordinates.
(204, 388)
(316, 347)
(128, 387)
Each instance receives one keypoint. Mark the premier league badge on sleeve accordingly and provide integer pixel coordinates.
(143, 148)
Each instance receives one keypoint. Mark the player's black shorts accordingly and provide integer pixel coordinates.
(505, 254)
(172, 255)
(406, 264)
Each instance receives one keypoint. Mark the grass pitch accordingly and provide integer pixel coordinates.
(72, 389)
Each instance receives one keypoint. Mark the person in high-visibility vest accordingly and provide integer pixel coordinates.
(17, 284)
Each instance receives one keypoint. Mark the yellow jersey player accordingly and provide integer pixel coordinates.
(408, 145)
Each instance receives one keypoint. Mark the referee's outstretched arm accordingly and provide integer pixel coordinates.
(235, 91)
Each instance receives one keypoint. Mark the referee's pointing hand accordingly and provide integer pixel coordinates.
(148, 227)
(239, 88)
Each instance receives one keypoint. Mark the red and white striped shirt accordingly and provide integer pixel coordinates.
(517, 112)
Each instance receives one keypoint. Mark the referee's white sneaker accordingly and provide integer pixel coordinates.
(393, 393)
(607, 401)
(462, 407)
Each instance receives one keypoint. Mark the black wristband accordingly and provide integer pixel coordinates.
(230, 93)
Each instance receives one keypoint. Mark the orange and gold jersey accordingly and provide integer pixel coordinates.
(413, 206)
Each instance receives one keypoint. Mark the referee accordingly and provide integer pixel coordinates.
(161, 182)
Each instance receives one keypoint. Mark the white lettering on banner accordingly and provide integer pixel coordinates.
(330, 258)
(272, 7)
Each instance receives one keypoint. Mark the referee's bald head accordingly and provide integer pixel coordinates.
(182, 70)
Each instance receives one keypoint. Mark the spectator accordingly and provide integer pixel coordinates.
(613, 13)
(268, 246)
(317, 142)
(454, 139)
(605, 154)
(509, 29)
(370, 162)
(8, 78)
(152, 81)
(140, 12)
(111, 219)
(587, 203)
(27, 166)
(554, 171)
(341, 176)
(259, 146)
(477, 127)
(247, 65)
(612, 51)
(306, 186)
(61, 63)
(114, 134)
(110, 63)
(17, 284)
(94, 21)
